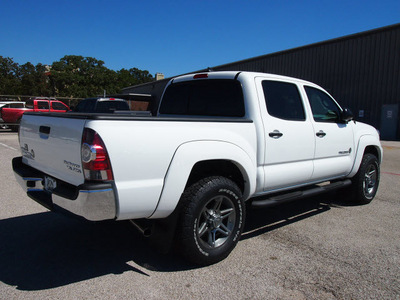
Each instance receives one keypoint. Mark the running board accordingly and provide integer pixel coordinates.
(291, 196)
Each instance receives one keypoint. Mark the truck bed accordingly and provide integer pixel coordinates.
(141, 149)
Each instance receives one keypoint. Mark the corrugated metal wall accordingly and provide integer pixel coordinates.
(361, 71)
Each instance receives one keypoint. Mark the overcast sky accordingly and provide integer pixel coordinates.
(175, 37)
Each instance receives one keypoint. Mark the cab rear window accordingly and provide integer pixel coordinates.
(211, 97)
(109, 106)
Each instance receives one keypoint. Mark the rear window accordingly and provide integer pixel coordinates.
(86, 105)
(212, 97)
(109, 106)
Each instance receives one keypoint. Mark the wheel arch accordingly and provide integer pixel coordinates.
(196, 160)
(375, 151)
(366, 144)
(217, 167)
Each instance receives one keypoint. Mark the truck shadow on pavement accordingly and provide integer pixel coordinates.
(48, 250)
(263, 220)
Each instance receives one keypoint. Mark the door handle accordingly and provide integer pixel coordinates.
(44, 129)
(275, 134)
(44, 132)
(320, 134)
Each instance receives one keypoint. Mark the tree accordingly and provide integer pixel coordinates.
(34, 80)
(42, 80)
(9, 71)
(72, 76)
(133, 76)
(77, 76)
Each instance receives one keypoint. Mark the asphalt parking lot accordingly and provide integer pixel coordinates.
(316, 248)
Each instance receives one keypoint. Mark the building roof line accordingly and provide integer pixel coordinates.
(321, 43)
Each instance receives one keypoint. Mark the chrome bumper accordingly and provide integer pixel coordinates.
(94, 202)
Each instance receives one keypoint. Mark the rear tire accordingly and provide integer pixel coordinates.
(211, 220)
(366, 181)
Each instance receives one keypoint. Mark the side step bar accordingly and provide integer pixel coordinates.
(291, 196)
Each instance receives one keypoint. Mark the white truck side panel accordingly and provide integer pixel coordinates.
(188, 155)
(141, 152)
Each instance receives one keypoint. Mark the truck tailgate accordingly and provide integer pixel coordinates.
(52, 144)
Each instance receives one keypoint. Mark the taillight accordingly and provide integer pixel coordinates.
(199, 76)
(95, 160)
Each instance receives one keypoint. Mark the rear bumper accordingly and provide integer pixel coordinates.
(94, 201)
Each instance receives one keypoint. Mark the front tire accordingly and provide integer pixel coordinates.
(211, 220)
(366, 181)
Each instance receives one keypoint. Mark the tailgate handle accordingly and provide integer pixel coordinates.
(44, 129)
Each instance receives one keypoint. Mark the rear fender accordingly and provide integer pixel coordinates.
(187, 155)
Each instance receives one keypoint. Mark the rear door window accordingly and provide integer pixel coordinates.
(42, 105)
(283, 100)
(211, 97)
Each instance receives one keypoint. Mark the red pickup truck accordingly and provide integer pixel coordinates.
(12, 116)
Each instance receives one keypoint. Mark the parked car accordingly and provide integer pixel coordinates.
(9, 104)
(13, 115)
(101, 105)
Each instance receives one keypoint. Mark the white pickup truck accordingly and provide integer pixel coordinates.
(219, 139)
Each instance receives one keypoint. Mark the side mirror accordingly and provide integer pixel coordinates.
(347, 115)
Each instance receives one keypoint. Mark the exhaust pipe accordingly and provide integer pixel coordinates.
(146, 231)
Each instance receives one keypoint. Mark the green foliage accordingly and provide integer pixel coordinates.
(9, 76)
(72, 76)
(34, 80)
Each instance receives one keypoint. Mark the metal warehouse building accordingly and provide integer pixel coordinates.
(361, 71)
